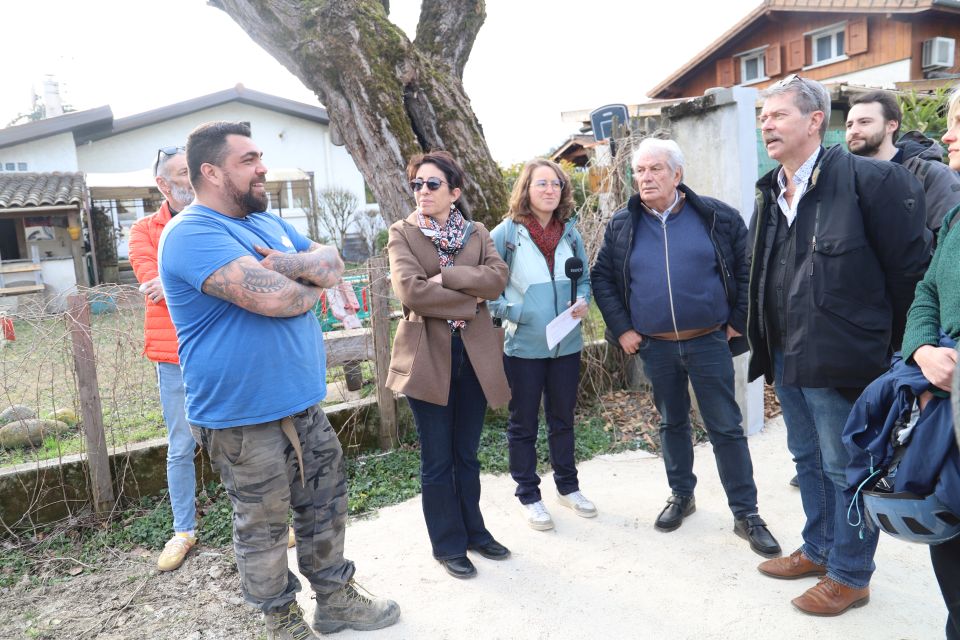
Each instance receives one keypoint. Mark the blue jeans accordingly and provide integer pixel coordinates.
(449, 469)
(707, 364)
(181, 475)
(815, 419)
(554, 380)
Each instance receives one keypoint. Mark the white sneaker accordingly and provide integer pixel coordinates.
(579, 503)
(537, 515)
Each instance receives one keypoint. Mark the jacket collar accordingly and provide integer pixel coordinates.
(163, 214)
(636, 207)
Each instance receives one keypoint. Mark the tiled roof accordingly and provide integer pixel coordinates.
(19, 190)
(768, 7)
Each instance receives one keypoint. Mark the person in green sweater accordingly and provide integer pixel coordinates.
(936, 306)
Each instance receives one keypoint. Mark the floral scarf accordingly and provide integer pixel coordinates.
(546, 238)
(448, 240)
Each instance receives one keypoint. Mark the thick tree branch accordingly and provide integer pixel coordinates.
(386, 99)
(448, 29)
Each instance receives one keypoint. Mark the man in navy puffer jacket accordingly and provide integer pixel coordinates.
(671, 283)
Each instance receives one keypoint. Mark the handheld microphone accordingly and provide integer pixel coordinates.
(573, 268)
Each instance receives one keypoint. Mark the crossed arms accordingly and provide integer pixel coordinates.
(282, 285)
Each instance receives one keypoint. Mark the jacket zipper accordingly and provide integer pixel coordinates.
(813, 240)
(723, 265)
(666, 257)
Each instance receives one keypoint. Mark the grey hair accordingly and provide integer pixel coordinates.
(808, 96)
(658, 145)
(160, 164)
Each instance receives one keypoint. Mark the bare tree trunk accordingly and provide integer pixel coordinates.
(388, 98)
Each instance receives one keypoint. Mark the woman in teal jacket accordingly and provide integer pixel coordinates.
(536, 239)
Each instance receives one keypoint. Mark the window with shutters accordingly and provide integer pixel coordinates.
(752, 65)
(827, 45)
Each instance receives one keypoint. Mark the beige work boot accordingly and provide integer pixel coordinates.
(347, 608)
(288, 624)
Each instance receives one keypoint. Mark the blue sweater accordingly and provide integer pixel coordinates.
(674, 275)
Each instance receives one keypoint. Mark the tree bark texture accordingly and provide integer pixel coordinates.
(388, 98)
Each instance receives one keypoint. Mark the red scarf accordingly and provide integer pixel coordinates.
(547, 238)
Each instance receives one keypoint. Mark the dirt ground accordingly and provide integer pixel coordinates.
(128, 598)
(614, 576)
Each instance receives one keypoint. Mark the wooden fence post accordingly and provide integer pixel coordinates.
(98, 462)
(380, 321)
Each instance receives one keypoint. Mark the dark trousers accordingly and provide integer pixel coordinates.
(946, 565)
(261, 474)
(449, 469)
(555, 381)
(707, 364)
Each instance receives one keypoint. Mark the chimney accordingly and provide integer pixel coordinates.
(51, 97)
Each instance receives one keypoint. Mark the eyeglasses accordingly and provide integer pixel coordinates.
(541, 185)
(432, 184)
(169, 151)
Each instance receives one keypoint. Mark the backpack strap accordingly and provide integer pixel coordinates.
(510, 244)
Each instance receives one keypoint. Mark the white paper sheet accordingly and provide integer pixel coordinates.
(563, 324)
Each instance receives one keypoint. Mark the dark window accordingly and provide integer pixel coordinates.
(21, 166)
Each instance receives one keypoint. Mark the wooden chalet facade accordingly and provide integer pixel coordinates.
(865, 42)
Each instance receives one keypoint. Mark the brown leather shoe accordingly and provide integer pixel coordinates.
(796, 565)
(830, 598)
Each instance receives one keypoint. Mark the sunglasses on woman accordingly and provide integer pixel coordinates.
(432, 184)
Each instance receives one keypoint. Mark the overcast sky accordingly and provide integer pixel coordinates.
(533, 59)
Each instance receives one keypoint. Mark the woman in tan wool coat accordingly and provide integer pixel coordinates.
(447, 356)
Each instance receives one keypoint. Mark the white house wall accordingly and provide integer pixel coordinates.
(288, 142)
(885, 75)
(54, 153)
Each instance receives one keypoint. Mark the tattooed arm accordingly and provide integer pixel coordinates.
(247, 284)
(320, 265)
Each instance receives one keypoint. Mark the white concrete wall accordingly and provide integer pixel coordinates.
(287, 142)
(56, 153)
(720, 148)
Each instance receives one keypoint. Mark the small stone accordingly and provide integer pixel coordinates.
(215, 572)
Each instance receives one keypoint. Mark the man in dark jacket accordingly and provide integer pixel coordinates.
(838, 244)
(873, 124)
(671, 282)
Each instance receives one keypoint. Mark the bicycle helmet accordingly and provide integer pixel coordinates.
(922, 519)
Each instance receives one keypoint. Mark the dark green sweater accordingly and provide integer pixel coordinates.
(936, 303)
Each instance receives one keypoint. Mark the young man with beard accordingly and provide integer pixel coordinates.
(241, 285)
(160, 345)
(872, 127)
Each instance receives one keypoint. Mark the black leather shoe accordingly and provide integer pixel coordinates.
(678, 508)
(459, 567)
(492, 550)
(795, 482)
(754, 530)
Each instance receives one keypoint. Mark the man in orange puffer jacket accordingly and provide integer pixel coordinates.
(160, 345)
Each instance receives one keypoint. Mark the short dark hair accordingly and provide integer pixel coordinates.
(444, 161)
(207, 144)
(888, 105)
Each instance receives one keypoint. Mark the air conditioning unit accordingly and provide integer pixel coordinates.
(938, 53)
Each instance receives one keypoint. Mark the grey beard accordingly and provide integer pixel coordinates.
(180, 197)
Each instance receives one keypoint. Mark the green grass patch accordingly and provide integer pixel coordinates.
(374, 481)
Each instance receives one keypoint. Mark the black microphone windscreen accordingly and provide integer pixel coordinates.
(573, 268)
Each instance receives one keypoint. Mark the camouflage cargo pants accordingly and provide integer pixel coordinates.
(259, 469)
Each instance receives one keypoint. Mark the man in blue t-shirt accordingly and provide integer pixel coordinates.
(241, 284)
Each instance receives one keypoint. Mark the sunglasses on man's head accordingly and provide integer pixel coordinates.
(432, 183)
(169, 151)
